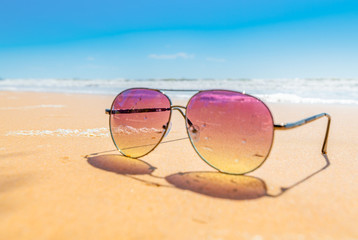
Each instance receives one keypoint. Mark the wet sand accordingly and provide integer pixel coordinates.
(61, 178)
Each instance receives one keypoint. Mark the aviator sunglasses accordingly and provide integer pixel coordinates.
(231, 131)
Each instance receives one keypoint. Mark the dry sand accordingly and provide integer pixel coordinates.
(53, 185)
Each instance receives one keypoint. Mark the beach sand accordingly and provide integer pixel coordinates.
(61, 178)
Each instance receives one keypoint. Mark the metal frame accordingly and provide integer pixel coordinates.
(281, 126)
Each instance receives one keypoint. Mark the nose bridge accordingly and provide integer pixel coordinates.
(180, 109)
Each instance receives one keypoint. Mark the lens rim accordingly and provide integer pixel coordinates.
(196, 150)
(160, 140)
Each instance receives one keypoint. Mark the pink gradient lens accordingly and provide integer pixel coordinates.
(138, 120)
(231, 131)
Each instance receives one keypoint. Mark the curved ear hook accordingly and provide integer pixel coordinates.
(286, 126)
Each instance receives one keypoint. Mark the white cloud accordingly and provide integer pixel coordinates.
(182, 55)
(211, 59)
(90, 58)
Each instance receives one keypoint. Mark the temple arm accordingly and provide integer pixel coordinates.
(145, 110)
(141, 110)
(286, 126)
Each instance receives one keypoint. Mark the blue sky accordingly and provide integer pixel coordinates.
(178, 39)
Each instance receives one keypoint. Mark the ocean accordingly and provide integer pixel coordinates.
(299, 90)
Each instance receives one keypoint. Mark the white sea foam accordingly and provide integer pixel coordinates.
(94, 132)
(132, 130)
(32, 107)
(298, 90)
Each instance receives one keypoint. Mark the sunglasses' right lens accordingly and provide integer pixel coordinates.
(231, 131)
(138, 120)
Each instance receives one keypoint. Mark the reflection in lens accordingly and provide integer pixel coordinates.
(231, 131)
(138, 120)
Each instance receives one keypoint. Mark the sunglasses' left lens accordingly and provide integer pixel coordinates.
(138, 120)
(231, 131)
